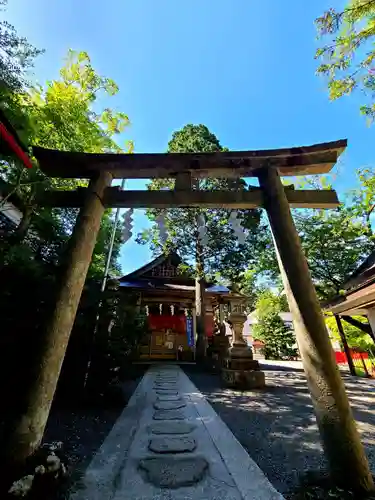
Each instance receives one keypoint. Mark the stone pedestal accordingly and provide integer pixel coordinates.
(243, 379)
(240, 370)
(220, 346)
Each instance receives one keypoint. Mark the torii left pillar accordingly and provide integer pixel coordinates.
(28, 426)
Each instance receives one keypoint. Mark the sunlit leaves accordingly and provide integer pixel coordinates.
(60, 115)
(356, 338)
(222, 254)
(279, 338)
(347, 60)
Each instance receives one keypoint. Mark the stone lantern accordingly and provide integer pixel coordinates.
(239, 369)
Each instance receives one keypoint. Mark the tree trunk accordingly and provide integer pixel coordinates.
(348, 463)
(27, 428)
(200, 304)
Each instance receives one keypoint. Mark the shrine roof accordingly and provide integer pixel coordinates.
(173, 258)
(156, 284)
(358, 290)
(315, 159)
(151, 277)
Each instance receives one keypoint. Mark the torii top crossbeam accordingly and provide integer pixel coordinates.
(316, 159)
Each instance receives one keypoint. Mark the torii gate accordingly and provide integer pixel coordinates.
(331, 405)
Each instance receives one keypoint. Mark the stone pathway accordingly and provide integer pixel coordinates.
(170, 444)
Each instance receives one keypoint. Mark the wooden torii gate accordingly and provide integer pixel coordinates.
(340, 437)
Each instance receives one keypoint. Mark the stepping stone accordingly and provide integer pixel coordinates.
(172, 444)
(168, 415)
(169, 397)
(174, 472)
(169, 405)
(164, 383)
(172, 427)
(165, 386)
(166, 391)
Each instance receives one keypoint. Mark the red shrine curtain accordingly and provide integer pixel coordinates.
(176, 323)
(164, 322)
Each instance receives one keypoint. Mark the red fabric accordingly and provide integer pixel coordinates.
(210, 326)
(14, 146)
(341, 356)
(164, 322)
(177, 323)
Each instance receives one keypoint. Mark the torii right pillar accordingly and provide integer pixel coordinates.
(344, 451)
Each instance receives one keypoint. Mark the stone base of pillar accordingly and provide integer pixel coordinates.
(243, 379)
(240, 350)
(242, 373)
(240, 364)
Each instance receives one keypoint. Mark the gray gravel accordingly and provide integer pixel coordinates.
(82, 428)
(277, 425)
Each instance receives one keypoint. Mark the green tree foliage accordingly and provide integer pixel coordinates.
(363, 199)
(248, 285)
(121, 327)
(194, 139)
(355, 337)
(269, 302)
(334, 241)
(279, 339)
(223, 256)
(334, 244)
(348, 57)
(61, 115)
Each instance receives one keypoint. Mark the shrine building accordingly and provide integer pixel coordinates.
(167, 295)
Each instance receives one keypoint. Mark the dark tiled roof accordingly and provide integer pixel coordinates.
(164, 284)
(363, 274)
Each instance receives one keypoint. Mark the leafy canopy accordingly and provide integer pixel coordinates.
(279, 338)
(60, 115)
(347, 59)
(355, 337)
(334, 241)
(223, 257)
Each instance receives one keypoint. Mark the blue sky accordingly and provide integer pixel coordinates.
(244, 68)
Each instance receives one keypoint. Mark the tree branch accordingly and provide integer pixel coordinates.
(12, 191)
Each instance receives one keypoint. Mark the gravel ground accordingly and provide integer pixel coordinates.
(277, 425)
(82, 428)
